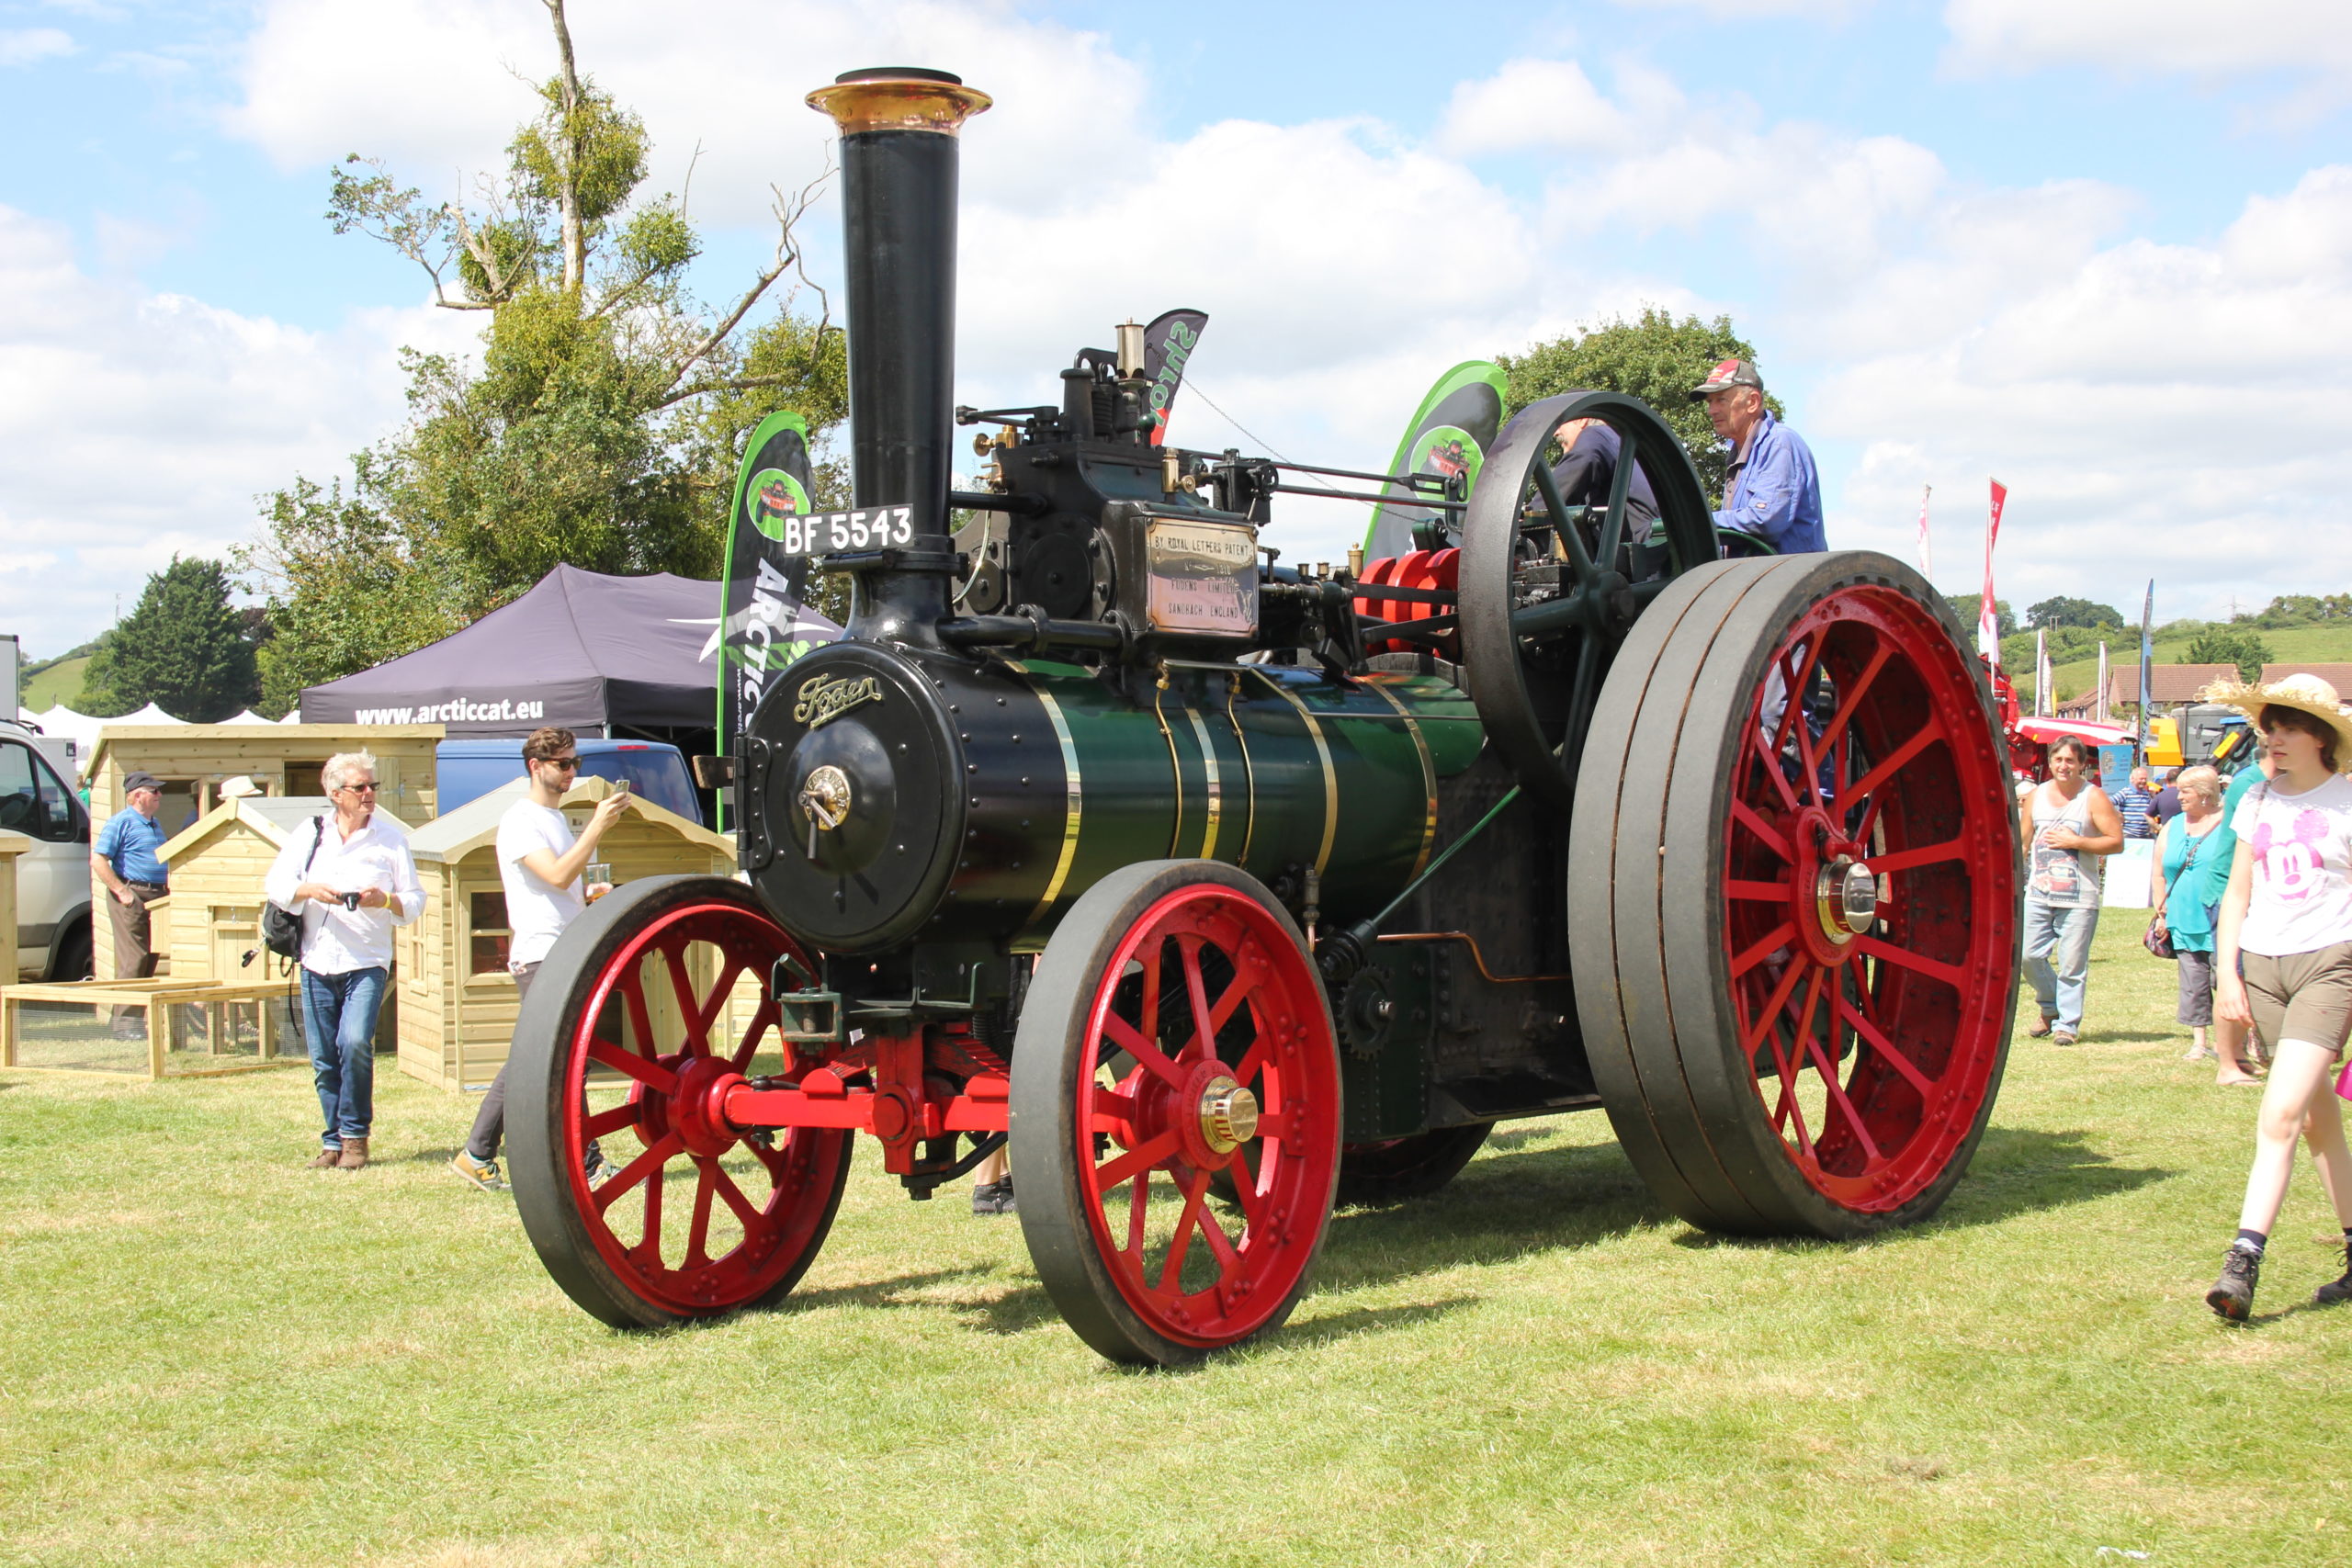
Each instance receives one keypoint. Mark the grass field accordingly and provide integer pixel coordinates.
(213, 1356)
(60, 682)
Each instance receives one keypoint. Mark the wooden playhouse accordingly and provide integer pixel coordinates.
(457, 999)
(284, 759)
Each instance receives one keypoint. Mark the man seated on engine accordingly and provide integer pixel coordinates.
(1772, 491)
(1590, 451)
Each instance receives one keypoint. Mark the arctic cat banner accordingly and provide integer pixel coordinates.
(763, 626)
(1168, 346)
(1449, 434)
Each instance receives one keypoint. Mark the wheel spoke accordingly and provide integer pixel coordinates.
(640, 1014)
(681, 988)
(750, 1216)
(1792, 687)
(1770, 1011)
(1171, 1267)
(1621, 484)
(1879, 1043)
(1770, 835)
(1144, 1155)
(652, 1075)
(1764, 947)
(715, 1004)
(754, 1032)
(1580, 697)
(698, 1228)
(1740, 891)
(1246, 1193)
(1928, 733)
(1907, 860)
(649, 1245)
(1859, 687)
(1139, 1214)
(644, 1166)
(1562, 527)
(1204, 1041)
(604, 1124)
(1769, 764)
(1845, 1107)
(1147, 1055)
(1903, 958)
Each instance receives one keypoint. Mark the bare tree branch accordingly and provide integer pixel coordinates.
(575, 233)
(788, 209)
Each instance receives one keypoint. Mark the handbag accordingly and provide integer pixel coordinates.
(2157, 938)
(281, 930)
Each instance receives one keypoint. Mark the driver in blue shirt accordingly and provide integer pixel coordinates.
(1772, 491)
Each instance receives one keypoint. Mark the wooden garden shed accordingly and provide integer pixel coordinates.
(284, 759)
(218, 864)
(457, 999)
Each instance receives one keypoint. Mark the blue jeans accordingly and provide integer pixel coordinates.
(2064, 935)
(339, 1022)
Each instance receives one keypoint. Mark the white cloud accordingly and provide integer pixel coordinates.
(1531, 104)
(136, 425)
(25, 46)
(2184, 37)
(2156, 410)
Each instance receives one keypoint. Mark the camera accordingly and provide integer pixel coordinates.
(351, 900)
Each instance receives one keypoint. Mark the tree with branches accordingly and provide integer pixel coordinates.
(600, 424)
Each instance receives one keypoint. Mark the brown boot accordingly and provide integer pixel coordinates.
(354, 1154)
(328, 1158)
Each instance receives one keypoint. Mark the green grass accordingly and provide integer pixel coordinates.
(212, 1355)
(61, 683)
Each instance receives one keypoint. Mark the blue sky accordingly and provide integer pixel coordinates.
(2087, 246)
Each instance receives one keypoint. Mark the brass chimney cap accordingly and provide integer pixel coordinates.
(898, 97)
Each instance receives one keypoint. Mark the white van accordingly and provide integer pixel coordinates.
(53, 876)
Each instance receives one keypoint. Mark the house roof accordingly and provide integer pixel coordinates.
(456, 834)
(2337, 675)
(2167, 682)
(276, 818)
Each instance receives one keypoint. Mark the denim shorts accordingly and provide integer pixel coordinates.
(2302, 996)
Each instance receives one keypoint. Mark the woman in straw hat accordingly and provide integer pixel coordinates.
(2287, 913)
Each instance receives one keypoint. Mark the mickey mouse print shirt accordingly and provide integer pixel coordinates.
(2301, 846)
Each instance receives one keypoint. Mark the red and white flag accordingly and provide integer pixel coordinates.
(1926, 555)
(1988, 626)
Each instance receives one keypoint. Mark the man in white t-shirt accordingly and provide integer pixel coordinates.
(539, 862)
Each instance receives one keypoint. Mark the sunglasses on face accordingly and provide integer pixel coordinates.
(569, 764)
(368, 788)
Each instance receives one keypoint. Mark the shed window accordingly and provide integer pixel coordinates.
(486, 915)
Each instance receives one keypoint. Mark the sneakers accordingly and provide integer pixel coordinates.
(328, 1157)
(482, 1173)
(2336, 1293)
(598, 1169)
(2233, 1293)
(354, 1154)
(993, 1198)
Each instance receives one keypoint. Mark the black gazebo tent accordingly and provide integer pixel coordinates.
(602, 655)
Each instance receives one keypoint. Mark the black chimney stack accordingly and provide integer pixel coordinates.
(898, 129)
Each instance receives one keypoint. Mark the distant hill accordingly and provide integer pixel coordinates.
(61, 683)
(2288, 645)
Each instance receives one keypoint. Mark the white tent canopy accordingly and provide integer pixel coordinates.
(249, 717)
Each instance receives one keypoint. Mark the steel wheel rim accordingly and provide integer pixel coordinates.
(1871, 1039)
(668, 1114)
(1139, 1103)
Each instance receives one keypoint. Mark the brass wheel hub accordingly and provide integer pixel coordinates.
(1846, 899)
(1228, 1115)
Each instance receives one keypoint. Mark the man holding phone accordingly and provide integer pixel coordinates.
(540, 862)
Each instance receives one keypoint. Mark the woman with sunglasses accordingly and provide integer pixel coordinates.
(352, 880)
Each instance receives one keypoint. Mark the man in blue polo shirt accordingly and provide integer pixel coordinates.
(1772, 491)
(124, 859)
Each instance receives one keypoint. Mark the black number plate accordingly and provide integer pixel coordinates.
(827, 533)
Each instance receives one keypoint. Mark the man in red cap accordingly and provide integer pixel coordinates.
(1773, 492)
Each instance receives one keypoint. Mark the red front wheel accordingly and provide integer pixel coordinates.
(1174, 1033)
(628, 1040)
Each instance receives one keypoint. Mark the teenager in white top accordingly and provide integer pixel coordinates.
(352, 880)
(2289, 913)
(539, 862)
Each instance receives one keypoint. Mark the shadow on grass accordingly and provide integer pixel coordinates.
(2017, 1171)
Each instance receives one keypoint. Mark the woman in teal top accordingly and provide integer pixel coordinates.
(2191, 869)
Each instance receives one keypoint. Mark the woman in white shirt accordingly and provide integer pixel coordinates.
(2287, 913)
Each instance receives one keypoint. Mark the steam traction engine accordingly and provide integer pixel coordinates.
(1228, 888)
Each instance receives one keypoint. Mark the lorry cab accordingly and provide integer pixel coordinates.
(53, 876)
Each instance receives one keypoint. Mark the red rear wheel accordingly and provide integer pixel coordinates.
(626, 1040)
(1174, 1031)
(1796, 818)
